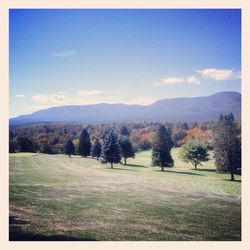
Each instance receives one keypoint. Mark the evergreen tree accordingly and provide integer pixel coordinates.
(127, 150)
(84, 143)
(227, 145)
(161, 148)
(110, 149)
(195, 152)
(96, 149)
(69, 148)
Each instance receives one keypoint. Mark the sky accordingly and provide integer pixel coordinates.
(79, 56)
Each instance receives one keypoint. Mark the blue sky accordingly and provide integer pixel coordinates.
(68, 57)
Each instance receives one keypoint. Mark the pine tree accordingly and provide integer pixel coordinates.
(69, 148)
(127, 150)
(84, 143)
(161, 148)
(96, 149)
(227, 145)
(110, 149)
(195, 152)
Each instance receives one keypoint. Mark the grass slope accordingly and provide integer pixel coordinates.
(53, 197)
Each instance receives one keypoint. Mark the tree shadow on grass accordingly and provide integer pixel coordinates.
(205, 170)
(16, 233)
(14, 221)
(233, 181)
(136, 165)
(179, 172)
(21, 236)
(115, 168)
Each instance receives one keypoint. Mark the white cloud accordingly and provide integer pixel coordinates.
(66, 53)
(171, 80)
(48, 99)
(192, 80)
(220, 74)
(177, 80)
(20, 95)
(84, 92)
(68, 98)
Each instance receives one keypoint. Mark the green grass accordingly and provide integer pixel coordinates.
(22, 154)
(82, 198)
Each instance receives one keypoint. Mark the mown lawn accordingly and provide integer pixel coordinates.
(53, 197)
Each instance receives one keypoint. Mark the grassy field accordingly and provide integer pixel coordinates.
(53, 197)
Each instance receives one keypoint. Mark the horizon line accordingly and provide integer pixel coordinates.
(117, 103)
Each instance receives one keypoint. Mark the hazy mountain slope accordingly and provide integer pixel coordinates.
(172, 110)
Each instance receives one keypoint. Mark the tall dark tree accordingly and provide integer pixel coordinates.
(126, 147)
(161, 148)
(227, 145)
(111, 149)
(195, 152)
(69, 148)
(84, 143)
(96, 149)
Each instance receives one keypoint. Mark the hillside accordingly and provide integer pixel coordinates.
(173, 110)
(54, 197)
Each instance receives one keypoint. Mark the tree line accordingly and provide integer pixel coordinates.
(49, 138)
(114, 142)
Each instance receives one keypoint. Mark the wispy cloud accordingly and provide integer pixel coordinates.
(66, 53)
(193, 80)
(67, 98)
(75, 97)
(171, 80)
(177, 80)
(84, 92)
(48, 99)
(20, 95)
(220, 74)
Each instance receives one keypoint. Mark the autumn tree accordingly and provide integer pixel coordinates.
(161, 148)
(84, 143)
(197, 133)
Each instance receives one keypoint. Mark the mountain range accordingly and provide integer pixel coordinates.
(193, 109)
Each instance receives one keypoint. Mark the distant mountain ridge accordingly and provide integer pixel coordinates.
(197, 109)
